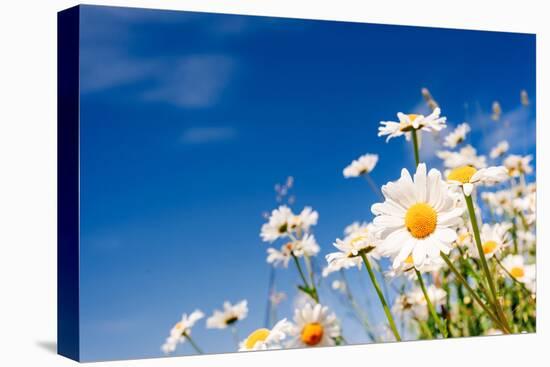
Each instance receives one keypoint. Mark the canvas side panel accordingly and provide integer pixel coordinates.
(68, 183)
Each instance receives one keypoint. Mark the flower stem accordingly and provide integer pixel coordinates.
(311, 291)
(416, 147)
(483, 260)
(235, 336)
(473, 293)
(440, 325)
(362, 316)
(373, 187)
(193, 344)
(381, 297)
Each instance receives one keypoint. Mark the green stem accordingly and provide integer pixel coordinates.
(297, 262)
(374, 187)
(483, 260)
(193, 344)
(381, 297)
(311, 291)
(440, 325)
(473, 293)
(362, 316)
(416, 147)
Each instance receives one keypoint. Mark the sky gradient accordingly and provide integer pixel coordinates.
(189, 119)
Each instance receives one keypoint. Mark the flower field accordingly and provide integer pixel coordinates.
(448, 251)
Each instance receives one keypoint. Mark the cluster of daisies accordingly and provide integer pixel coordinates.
(447, 252)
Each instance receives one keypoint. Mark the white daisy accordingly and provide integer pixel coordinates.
(493, 239)
(414, 303)
(466, 156)
(468, 176)
(307, 246)
(418, 217)
(363, 239)
(264, 339)
(499, 150)
(362, 165)
(515, 265)
(307, 218)
(518, 165)
(314, 326)
(457, 136)
(277, 225)
(229, 316)
(283, 222)
(410, 122)
(181, 330)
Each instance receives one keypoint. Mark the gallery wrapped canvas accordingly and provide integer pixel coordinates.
(233, 183)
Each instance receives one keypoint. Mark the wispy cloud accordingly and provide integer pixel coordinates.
(204, 135)
(193, 81)
(517, 126)
(190, 79)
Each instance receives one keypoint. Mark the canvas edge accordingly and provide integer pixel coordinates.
(68, 313)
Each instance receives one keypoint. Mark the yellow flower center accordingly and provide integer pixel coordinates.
(462, 174)
(489, 247)
(412, 117)
(517, 272)
(312, 334)
(421, 220)
(409, 260)
(256, 336)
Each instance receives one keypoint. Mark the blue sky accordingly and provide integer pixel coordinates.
(188, 120)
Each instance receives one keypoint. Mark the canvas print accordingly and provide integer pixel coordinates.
(234, 183)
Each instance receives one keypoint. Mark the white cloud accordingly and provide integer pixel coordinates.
(517, 126)
(193, 81)
(203, 135)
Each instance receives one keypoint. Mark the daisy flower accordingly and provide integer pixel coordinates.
(464, 238)
(419, 217)
(499, 150)
(307, 246)
(361, 166)
(362, 239)
(457, 136)
(277, 225)
(229, 316)
(283, 222)
(265, 339)
(518, 165)
(307, 218)
(314, 326)
(414, 302)
(410, 122)
(526, 274)
(467, 176)
(181, 331)
(493, 237)
(466, 156)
